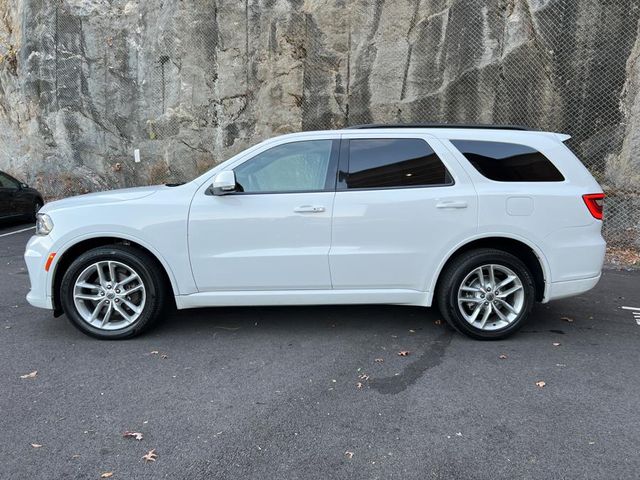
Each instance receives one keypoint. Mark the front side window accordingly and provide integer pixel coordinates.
(292, 167)
(508, 162)
(393, 162)
(7, 182)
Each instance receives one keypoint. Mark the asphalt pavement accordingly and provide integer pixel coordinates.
(321, 392)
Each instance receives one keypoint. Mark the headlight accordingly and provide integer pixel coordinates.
(44, 224)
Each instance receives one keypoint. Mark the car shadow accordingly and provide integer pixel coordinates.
(301, 319)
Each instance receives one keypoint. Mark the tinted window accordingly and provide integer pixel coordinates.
(6, 182)
(293, 167)
(399, 162)
(508, 162)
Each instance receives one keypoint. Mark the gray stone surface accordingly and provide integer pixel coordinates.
(85, 82)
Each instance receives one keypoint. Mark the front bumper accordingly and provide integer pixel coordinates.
(35, 256)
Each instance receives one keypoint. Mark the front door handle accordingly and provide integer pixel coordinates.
(309, 209)
(451, 204)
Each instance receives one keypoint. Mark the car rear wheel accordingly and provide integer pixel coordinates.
(486, 294)
(113, 292)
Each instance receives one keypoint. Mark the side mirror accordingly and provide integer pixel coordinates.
(224, 182)
(24, 185)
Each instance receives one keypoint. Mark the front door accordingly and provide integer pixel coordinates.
(274, 232)
(401, 205)
(8, 190)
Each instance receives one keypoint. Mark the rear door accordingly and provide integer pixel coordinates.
(23, 201)
(402, 203)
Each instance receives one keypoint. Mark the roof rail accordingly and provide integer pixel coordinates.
(435, 125)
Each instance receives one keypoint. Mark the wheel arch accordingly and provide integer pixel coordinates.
(72, 251)
(532, 257)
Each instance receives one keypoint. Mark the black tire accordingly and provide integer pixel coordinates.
(149, 271)
(455, 273)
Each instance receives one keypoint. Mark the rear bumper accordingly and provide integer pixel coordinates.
(575, 257)
(558, 290)
(35, 256)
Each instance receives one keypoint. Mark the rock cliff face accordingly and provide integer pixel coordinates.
(85, 82)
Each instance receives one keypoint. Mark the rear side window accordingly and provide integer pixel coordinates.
(393, 162)
(508, 162)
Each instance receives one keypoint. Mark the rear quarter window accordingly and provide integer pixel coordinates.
(508, 162)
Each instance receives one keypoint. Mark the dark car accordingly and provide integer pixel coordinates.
(17, 199)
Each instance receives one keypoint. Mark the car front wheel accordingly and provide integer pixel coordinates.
(113, 292)
(486, 294)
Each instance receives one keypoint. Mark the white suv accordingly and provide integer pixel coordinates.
(481, 221)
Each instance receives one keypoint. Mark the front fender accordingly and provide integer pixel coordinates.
(178, 287)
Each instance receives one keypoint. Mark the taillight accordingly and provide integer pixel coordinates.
(594, 202)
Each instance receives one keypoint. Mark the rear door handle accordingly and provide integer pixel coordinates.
(309, 209)
(451, 204)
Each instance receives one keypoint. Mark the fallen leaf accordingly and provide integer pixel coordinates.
(540, 383)
(567, 319)
(359, 385)
(136, 435)
(379, 360)
(502, 356)
(348, 454)
(150, 456)
(36, 445)
(364, 376)
(404, 353)
(438, 322)
(30, 375)
(556, 344)
(106, 475)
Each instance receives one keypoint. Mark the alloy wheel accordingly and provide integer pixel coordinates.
(109, 295)
(491, 297)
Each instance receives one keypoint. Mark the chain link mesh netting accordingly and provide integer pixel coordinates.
(189, 84)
